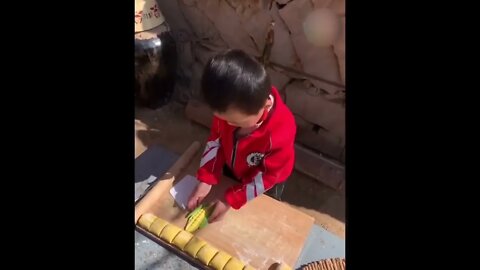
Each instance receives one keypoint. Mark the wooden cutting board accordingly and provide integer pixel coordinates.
(261, 233)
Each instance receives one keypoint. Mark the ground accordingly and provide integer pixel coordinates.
(169, 128)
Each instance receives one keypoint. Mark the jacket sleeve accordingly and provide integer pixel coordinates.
(276, 167)
(213, 159)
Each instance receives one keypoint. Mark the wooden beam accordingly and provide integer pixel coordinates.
(319, 167)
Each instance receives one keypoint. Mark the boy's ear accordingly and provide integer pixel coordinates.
(268, 103)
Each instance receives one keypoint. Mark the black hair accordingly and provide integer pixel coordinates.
(234, 79)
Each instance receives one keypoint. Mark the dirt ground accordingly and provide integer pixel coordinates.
(169, 128)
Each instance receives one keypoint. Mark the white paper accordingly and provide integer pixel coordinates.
(182, 190)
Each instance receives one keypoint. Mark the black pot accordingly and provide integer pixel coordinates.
(155, 67)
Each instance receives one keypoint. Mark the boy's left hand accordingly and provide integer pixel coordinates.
(221, 208)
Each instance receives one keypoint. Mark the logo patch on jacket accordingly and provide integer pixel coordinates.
(254, 159)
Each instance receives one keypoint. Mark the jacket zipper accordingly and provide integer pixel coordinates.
(235, 145)
(234, 151)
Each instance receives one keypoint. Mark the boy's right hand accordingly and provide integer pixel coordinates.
(198, 194)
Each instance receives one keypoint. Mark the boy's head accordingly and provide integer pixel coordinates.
(237, 88)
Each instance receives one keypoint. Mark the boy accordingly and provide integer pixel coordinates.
(252, 133)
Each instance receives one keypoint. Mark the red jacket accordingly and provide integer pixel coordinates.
(260, 160)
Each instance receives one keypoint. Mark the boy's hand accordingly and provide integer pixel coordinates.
(221, 208)
(198, 194)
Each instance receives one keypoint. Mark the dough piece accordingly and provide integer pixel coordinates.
(206, 254)
(181, 240)
(146, 220)
(194, 246)
(169, 232)
(234, 264)
(157, 226)
(220, 260)
(282, 266)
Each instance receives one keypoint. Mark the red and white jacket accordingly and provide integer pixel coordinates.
(260, 160)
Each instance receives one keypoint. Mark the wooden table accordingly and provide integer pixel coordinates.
(261, 233)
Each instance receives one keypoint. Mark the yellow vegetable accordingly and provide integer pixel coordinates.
(182, 239)
(197, 219)
(220, 260)
(146, 220)
(157, 226)
(234, 264)
(206, 254)
(169, 232)
(193, 246)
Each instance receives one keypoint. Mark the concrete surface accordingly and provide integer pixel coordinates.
(320, 245)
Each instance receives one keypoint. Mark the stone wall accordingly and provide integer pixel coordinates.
(205, 27)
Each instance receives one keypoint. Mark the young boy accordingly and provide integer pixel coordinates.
(252, 133)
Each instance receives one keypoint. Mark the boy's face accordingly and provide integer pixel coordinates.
(237, 118)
